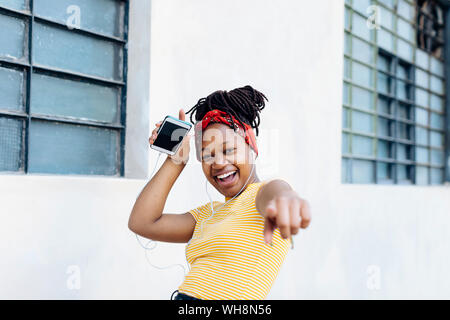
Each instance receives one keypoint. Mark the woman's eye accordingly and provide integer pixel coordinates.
(229, 150)
(206, 157)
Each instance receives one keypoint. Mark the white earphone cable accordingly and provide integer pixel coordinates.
(153, 244)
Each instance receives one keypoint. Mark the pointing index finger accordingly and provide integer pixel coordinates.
(305, 213)
(283, 218)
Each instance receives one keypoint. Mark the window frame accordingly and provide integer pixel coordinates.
(347, 156)
(446, 7)
(28, 67)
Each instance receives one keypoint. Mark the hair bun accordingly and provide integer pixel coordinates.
(243, 103)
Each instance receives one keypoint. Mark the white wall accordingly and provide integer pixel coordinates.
(291, 51)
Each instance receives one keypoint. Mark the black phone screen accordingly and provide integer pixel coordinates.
(170, 136)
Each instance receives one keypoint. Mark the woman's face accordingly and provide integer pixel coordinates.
(226, 159)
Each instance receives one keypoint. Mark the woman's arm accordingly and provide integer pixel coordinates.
(147, 218)
(281, 208)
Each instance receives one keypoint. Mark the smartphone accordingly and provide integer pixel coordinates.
(170, 135)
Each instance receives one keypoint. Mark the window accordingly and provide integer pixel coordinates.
(63, 86)
(394, 96)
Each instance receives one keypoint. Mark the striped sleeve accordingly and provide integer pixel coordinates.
(199, 213)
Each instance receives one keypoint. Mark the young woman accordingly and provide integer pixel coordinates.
(236, 247)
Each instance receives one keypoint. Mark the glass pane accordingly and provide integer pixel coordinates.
(403, 72)
(384, 83)
(437, 176)
(10, 144)
(347, 68)
(404, 50)
(345, 93)
(405, 30)
(362, 146)
(422, 59)
(72, 149)
(362, 171)
(421, 97)
(384, 172)
(359, 27)
(11, 89)
(385, 105)
(347, 43)
(362, 6)
(362, 51)
(422, 175)
(384, 63)
(403, 173)
(385, 40)
(14, 4)
(437, 121)
(437, 103)
(386, 18)
(362, 75)
(421, 136)
(404, 152)
(436, 139)
(12, 37)
(437, 85)
(102, 16)
(62, 97)
(404, 131)
(422, 155)
(422, 78)
(437, 157)
(422, 116)
(404, 111)
(345, 118)
(403, 91)
(345, 172)
(385, 127)
(347, 19)
(75, 52)
(387, 3)
(362, 98)
(405, 9)
(437, 67)
(345, 143)
(385, 149)
(362, 122)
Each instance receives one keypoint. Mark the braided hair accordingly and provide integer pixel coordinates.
(243, 103)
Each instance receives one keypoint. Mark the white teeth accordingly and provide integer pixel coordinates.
(222, 176)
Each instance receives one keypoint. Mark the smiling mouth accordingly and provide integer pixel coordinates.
(226, 179)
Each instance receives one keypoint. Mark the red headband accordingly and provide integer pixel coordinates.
(218, 116)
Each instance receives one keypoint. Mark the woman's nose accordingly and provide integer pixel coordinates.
(219, 160)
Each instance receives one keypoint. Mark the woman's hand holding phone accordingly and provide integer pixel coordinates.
(182, 154)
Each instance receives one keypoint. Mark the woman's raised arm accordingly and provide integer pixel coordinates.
(147, 218)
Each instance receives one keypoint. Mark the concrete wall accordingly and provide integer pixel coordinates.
(365, 241)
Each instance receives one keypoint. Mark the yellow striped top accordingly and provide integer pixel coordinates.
(227, 253)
